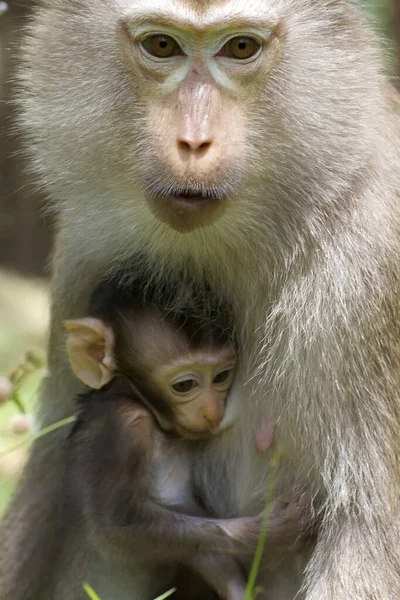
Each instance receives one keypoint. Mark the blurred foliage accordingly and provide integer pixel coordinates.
(382, 11)
(23, 325)
(384, 16)
(23, 318)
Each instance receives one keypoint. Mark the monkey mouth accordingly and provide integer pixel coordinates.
(189, 197)
(188, 208)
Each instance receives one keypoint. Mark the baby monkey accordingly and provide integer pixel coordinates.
(180, 369)
(128, 479)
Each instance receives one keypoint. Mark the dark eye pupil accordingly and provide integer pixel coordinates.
(184, 386)
(240, 48)
(221, 377)
(162, 46)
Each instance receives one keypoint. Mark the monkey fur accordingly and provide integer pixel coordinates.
(298, 149)
(129, 507)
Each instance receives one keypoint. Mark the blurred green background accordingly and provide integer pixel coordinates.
(26, 235)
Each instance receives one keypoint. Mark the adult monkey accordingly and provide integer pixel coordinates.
(252, 145)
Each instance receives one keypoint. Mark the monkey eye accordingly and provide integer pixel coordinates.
(184, 386)
(240, 48)
(224, 376)
(162, 46)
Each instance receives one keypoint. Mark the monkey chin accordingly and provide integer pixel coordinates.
(186, 214)
(192, 434)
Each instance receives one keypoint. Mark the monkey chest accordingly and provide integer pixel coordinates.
(172, 478)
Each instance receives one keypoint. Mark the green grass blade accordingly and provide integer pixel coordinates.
(166, 595)
(93, 596)
(32, 438)
(251, 590)
(90, 592)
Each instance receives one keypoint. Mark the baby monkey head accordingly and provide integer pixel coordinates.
(180, 369)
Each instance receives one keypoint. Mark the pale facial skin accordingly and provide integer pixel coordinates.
(195, 385)
(195, 70)
(196, 388)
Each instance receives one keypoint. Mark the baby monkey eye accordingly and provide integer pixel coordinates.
(162, 46)
(184, 386)
(240, 48)
(222, 376)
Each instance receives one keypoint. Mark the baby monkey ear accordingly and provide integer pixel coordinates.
(90, 345)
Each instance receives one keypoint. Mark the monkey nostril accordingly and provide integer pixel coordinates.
(211, 419)
(195, 148)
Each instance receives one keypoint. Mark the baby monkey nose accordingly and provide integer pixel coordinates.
(212, 414)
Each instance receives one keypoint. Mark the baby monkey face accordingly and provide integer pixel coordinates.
(196, 388)
(184, 384)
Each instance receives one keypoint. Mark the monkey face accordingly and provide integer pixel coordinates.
(152, 112)
(195, 391)
(197, 84)
(221, 120)
(186, 387)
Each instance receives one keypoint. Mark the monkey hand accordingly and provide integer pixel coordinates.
(292, 522)
(243, 533)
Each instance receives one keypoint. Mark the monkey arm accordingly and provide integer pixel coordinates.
(112, 454)
(141, 522)
(358, 544)
(122, 500)
(292, 523)
(25, 559)
(28, 528)
(146, 526)
(361, 532)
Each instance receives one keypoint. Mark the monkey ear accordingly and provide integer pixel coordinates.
(90, 345)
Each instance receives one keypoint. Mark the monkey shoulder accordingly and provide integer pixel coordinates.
(113, 423)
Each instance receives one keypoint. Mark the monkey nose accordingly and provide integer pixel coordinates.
(193, 146)
(212, 415)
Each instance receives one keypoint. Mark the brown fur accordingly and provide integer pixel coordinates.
(129, 508)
